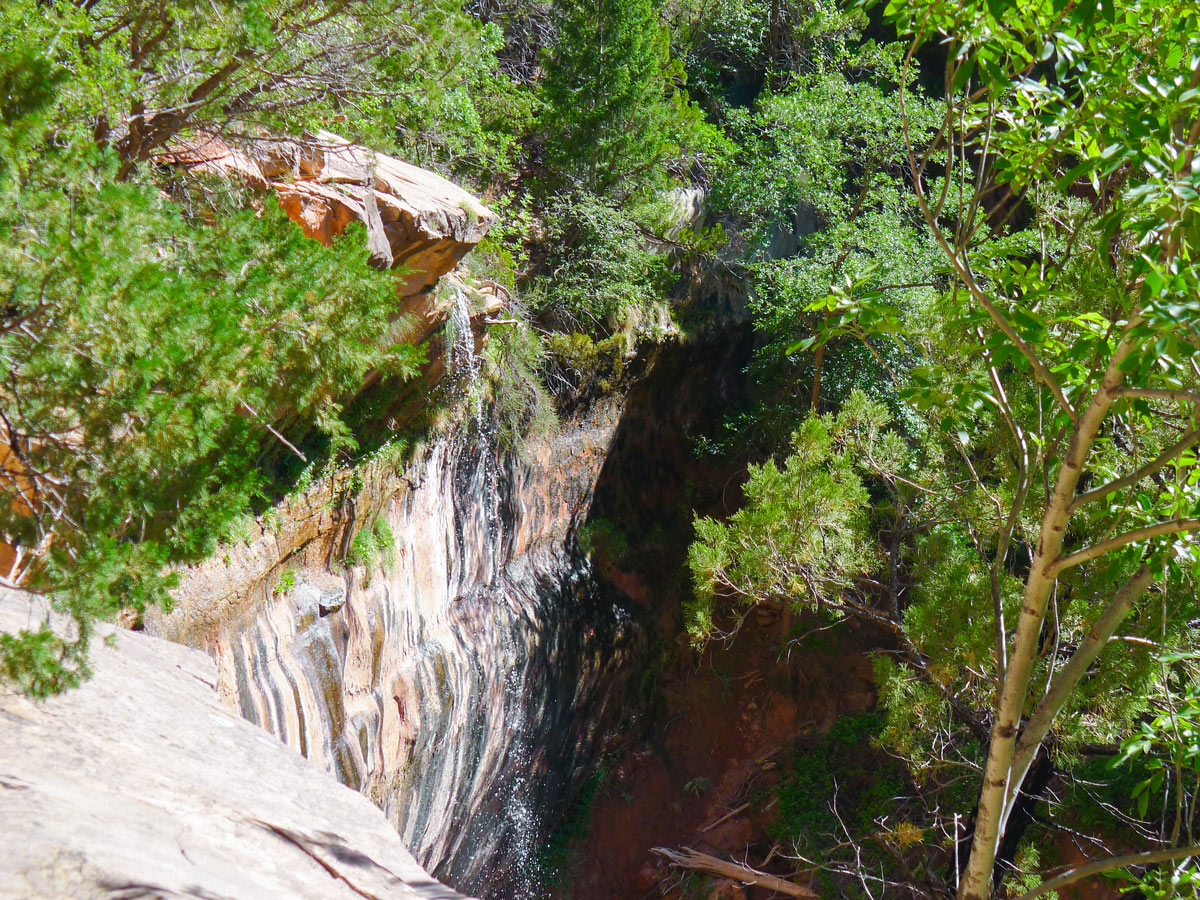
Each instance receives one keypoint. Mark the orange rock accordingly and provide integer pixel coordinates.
(416, 220)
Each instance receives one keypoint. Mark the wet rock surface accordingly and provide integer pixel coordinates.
(469, 680)
(464, 681)
(143, 784)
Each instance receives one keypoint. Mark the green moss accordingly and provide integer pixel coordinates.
(596, 363)
(602, 537)
(283, 587)
(442, 677)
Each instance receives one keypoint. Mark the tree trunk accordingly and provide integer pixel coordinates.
(998, 779)
(1068, 678)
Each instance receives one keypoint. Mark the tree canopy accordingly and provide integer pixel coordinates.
(968, 237)
(1041, 363)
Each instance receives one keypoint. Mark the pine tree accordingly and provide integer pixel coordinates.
(614, 108)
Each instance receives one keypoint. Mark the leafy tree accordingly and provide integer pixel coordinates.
(1102, 318)
(733, 49)
(449, 103)
(1050, 390)
(162, 338)
(598, 265)
(803, 534)
(815, 201)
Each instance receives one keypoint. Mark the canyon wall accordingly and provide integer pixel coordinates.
(462, 680)
(422, 625)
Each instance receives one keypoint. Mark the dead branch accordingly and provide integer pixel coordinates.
(687, 858)
(728, 815)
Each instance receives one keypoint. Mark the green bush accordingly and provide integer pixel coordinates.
(597, 265)
(284, 585)
(372, 545)
(521, 404)
(845, 766)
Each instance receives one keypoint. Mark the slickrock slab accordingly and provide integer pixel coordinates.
(415, 219)
(142, 784)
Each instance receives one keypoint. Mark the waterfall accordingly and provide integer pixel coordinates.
(464, 366)
(465, 683)
(463, 361)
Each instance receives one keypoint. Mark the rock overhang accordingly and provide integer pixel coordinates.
(417, 221)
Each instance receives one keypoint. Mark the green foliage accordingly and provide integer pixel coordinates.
(254, 65)
(42, 663)
(1100, 783)
(599, 265)
(284, 585)
(372, 545)
(733, 49)
(803, 534)
(601, 536)
(521, 405)
(995, 270)
(818, 193)
(613, 108)
(843, 768)
(461, 111)
(1167, 744)
(157, 343)
(799, 147)
(1167, 882)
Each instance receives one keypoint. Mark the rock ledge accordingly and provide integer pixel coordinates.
(142, 784)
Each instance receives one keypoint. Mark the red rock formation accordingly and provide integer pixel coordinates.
(416, 220)
(417, 223)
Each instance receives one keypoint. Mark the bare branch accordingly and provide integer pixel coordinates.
(1173, 526)
(1144, 472)
(688, 858)
(1178, 395)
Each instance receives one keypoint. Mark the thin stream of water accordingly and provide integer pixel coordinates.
(521, 821)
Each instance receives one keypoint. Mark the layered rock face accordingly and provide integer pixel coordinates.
(143, 784)
(461, 683)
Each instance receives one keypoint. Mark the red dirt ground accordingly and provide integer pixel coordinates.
(726, 721)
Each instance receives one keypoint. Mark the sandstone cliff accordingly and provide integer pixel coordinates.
(416, 220)
(462, 680)
(461, 677)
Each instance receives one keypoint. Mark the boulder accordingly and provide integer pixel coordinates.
(142, 784)
(416, 220)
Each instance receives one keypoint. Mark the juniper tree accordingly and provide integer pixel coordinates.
(159, 334)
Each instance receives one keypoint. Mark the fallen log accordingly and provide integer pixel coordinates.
(687, 858)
